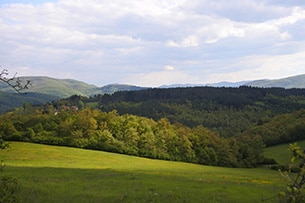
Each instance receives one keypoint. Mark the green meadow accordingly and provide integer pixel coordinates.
(63, 174)
(281, 152)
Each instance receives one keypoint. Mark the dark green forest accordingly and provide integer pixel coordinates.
(206, 125)
(228, 111)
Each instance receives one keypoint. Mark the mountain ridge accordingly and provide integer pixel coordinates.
(47, 89)
(297, 81)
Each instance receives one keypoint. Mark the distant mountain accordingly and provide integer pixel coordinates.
(112, 88)
(67, 87)
(46, 89)
(228, 84)
(218, 84)
(297, 81)
(56, 87)
(289, 82)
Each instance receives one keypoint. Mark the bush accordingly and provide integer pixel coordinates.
(8, 187)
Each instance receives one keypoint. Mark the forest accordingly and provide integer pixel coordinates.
(228, 111)
(133, 135)
(206, 125)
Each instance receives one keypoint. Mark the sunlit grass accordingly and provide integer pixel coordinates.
(62, 174)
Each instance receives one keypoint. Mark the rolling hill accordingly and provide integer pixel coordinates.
(289, 82)
(46, 89)
(63, 88)
(56, 87)
(218, 84)
(297, 81)
(10, 101)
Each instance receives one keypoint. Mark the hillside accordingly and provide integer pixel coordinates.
(62, 174)
(218, 84)
(9, 101)
(112, 88)
(128, 134)
(280, 153)
(283, 128)
(289, 82)
(56, 87)
(208, 125)
(297, 81)
(229, 111)
(46, 89)
(63, 88)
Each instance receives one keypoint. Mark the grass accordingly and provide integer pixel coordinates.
(281, 153)
(62, 174)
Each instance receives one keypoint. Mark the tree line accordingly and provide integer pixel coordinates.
(228, 111)
(205, 125)
(130, 134)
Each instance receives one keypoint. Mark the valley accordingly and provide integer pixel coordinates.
(198, 143)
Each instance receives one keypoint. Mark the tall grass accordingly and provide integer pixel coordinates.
(62, 174)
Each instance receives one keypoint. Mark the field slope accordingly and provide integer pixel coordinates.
(281, 152)
(62, 174)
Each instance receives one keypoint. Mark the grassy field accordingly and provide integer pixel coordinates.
(281, 153)
(62, 174)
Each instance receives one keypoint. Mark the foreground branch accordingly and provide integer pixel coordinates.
(14, 81)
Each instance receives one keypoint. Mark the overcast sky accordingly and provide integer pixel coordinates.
(153, 42)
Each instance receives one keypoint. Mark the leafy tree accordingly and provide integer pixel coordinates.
(185, 146)
(130, 134)
(250, 149)
(86, 122)
(295, 190)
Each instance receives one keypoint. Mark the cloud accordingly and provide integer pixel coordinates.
(169, 68)
(130, 41)
(264, 66)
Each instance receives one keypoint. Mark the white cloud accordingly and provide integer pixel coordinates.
(296, 15)
(107, 40)
(264, 66)
(169, 68)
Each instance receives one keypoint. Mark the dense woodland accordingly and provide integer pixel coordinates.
(228, 111)
(130, 134)
(205, 125)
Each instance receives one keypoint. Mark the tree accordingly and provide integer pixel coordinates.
(295, 190)
(14, 81)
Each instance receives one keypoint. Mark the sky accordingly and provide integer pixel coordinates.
(153, 42)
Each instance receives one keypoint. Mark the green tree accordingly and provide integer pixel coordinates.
(86, 121)
(185, 146)
(295, 191)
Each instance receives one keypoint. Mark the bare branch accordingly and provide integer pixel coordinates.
(14, 82)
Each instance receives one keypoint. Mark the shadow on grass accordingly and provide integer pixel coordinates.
(107, 185)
